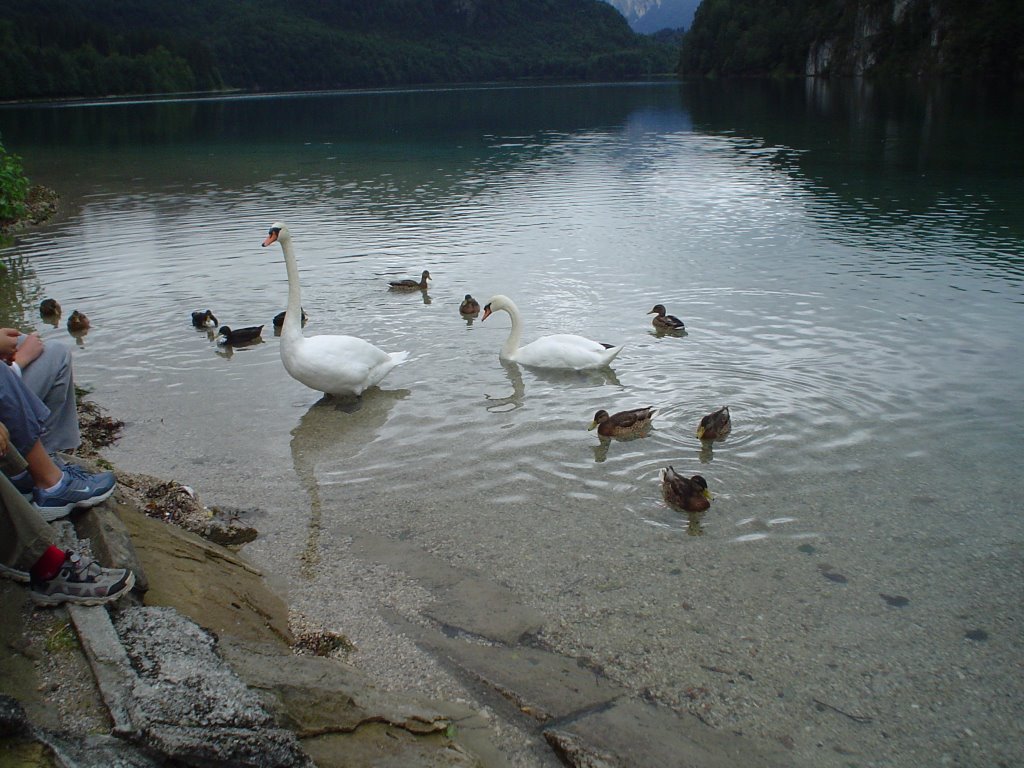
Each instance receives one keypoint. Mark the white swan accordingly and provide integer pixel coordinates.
(561, 350)
(335, 365)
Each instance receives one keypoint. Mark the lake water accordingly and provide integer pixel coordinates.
(848, 262)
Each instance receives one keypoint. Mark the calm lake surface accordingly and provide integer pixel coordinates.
(849, 264)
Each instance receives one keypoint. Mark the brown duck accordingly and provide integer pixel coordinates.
(49, 308)
(411, 285)
(688, 494)
(665, 322)
(622, 423)
(715, 425)
(78, 323)
(469, 306)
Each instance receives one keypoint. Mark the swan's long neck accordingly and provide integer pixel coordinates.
(293, 314)
(508, 351)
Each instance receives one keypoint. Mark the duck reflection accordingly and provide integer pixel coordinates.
(604, 444)
(707, 451)
(659, 333)
(332, 431)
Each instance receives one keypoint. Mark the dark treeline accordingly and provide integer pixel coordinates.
(918, 38)
(67, 48)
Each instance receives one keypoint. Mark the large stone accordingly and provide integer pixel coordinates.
(465, 601)
(343, 720)
(109, 540)
(541, 684)
(635, 734)
(215, 587)
(188, 704)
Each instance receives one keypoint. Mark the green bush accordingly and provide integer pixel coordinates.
(13, 187)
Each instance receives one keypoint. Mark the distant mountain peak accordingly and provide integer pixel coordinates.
(647, 16)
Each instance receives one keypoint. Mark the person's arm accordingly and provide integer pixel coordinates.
(8, 344)
(19, 356)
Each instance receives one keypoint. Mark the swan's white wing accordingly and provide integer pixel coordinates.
(337, 364)
(565, 351)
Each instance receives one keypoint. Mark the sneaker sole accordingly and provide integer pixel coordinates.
(14, 574)
(50, 514)
(61, 599)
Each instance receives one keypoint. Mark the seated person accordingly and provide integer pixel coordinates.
(28, 553)
(46, 371)
(54, 489)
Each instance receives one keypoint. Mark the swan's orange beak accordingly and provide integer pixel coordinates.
(271, 238)
(487, 313)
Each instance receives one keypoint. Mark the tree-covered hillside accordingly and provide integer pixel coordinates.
(918, 38)
(60, 48)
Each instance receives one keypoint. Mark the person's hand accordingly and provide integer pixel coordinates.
(8, 343)
(5, 439)
(30, 349)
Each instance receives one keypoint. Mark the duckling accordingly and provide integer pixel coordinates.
(665, 322)
(411, 285)
(688, 494)
(622, 423)
(49, 308)
(715, 425)
(204, 319)
(469, 306)
(78, 323)
(279, 319)
(241, 335)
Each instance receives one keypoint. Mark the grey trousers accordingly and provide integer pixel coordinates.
(51, 379)
(24, 535)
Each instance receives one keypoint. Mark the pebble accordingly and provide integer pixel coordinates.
(897, 601)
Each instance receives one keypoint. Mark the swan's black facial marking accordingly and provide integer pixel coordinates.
(272, 236)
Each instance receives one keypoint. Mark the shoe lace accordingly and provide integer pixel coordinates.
(82, 569)
(76, 472)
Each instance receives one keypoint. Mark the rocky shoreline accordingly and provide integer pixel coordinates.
(200, 665)
(204, 666)
(41, 204)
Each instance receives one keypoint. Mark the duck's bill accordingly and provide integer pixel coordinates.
(593, 425)
(700, 433)
(707, 494)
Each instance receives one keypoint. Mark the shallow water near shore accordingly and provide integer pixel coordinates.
(848, 263)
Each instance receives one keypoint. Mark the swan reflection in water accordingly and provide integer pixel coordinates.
(513, 401)
(593, 378)
(333, 430)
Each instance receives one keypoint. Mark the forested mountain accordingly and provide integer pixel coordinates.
(59, 48)
(962, 38)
